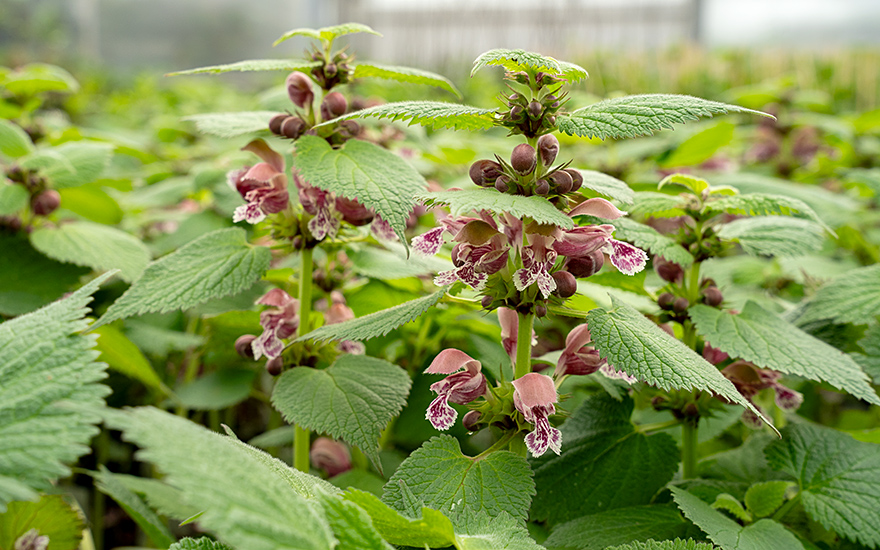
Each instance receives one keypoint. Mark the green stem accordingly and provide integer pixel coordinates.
(301, 443)
(302, 436)
(102, 454)
(657, 426)
(693, 289)
(524, 345)
(496, 446)
(786, 508)
(689, 448)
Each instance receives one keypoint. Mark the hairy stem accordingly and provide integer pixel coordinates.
(302, 436)
(301, 443)
(524, 345)
(689, 448)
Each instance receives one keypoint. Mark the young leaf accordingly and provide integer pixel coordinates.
(478, 530)
(353, 399)
(432, 114)
(657, 205)
(839, 479)
(375, 324)
(405, 74)
(762, 337)
(774, 235)
(692, 183)
(441, 477)
(607, 185)
(123, 356)
(851, 298)
(146, 519)
(45, 362)
(432, 529)
(327, 34)
(645, 236)
(14, 142)
(762, 204)
(93, 245)
(521, 60)
(51, 516)
(640, 115)
(360, 170)
(13, 198)
(254, 65)
(732, 506)
(765, 534)
(618, 526)
(70, 164)
(700, 147)
(37, 78)
(228, 125)
(203, 543)
(676, 544)
(218, 264)
(762, 499)
(474, 200)
(165, 499)
(351, 525)
(640, 348)
(605, 464)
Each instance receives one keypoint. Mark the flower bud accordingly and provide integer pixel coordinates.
(331, 70)
(540, 311)
(331, 456)
(484, 172)
(349, 128)
(668, 271)
(275, 124)
(471, 420)
(584, 266)
(486, 301)
(501, 184)
(516, 113)
(334, 105)
(542, 187)
(562, 182)
(548, 146)
(46, 202)
(292, 127)
(712, 296)
(680, 305)
(243, 346)
(275, 366)
(576, 178)
(666, 300)
(566, 284)
(299, 88)
(523, 159)
(535, 109)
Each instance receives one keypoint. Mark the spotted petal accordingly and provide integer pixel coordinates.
(627, 258)
(440, 414)
(429, 242)
(544, 436)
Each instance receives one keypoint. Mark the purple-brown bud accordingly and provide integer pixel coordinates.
(349, 128)
(485, 172)
(666, 300)
(535, 109)
(471, 420)
(501, 184)
(584, 266)
(523, 159)
(329, 455)
(486, 301)
(334, 105)
(712, 296)
(540, 311)
(668, 271)
(576, 178)
(299, 88)
(46, 202)
(548, 146)
(680, 305)
(275, 124)
(292, 127)
(275, 366)
(562, 182)
(542, 187)
(566, 284)
(243, 346)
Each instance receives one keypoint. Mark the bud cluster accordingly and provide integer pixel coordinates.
(332, 72)
(525, 175)
(334, 104)
(43, 201)
(534, 116)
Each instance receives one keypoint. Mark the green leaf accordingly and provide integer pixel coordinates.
(432, 114)
(640, 115)
(123, 356)
(93, 245)
(160, 341)
(700, 147)
(70, 164)
(352, 526)
(851, 298)
(732, 506)
(353, 399)
(839, 479)
(744, 464)
(645, 236)
(327, 34)
(657, 205)
(762, 337)
(14, 142)
(51, 516)
(221, 263)
(228, 125)
(92, 202)
(360, 170)
(519, 206)
(203, 543)
(375, 324)
(146, 519)
(607, 185)
(405, 74)
(676, 544)
(774, 235)
(605, 464)
(46, 362)
(432, 529)
(692, 183)
(254, 65)
(37, 78)
(521, 60)
(762, 204)
(618, 526)
(764, 534)
(478, 530)
(13, 198)
(441, 477)
(246, 502)
(762, 499)
(160, 496)
(637, 346)
(217, 390)
(385, 265)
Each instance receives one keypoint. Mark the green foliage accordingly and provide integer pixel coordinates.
(51, 516)
(640, 115)
(850, 298)
(405, 74)
(431, 529)
(384, 265)
(732, 506)
(519, 206)
(676, 544)
(607, 185)
(70, 164)
(618, 526)
(774, 235)
(839, 479)
(692, 183)
(123, 356)
(13, 198)
(432, 114)
(762, 204)
(762, 499)
(218, 264)
(92, 202)
(605, 464)
(762, 337)
(203, 543)
(530, 62)
(14, 142)
(37, 78)
(160, 496)
(47, 362)
(254, 65)
(646, 237)
(481, 531)
(136, 509)
(327, 34)
(228, 125)
(218, 390)
(353, 399)
(361, 170)
(657, 205)
(352, 525)
(700, 147)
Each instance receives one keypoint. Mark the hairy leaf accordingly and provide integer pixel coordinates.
(70, 164)
(607, 185)
(732, 506)
(384, 265)
(360, 170)
(692, 183)
(14, 142)
(478, 530)
(677, 544)
(228, 125)
(839, 479)
(327, 34)
(405, 74)
(46, 362)
(220, 263)
(254, 65)
(762, 499)
(431, 529)
(774, 235)
(165, 499)
(762, 204)
(645, 236)
(203, 543)
(432, 114)
(352, 525)
(850, 298)
(640, 115)
(37, 78)
(474, 200)
(51, 516)
(136, 509)
(619, 526)
(521, 60)
(700, 147)
(123, 356)
(762, 337)
(657, 205)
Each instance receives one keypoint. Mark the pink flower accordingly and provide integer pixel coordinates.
(538, 260)
(329, 455)
(577, 357)
(464, 384)
(533, 396)
(338, 312)
(321, 205)
(278, 323)
(263, 186)
(749, 379)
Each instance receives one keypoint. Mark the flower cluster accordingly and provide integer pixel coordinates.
(749, 379)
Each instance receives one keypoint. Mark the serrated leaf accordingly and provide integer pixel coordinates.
(839, 479)
(217, 390)
(160, 496)
(692, 183)
(405, 74)
(70, 164)
(521, 60)
(618, 526)
(762, 337)
(640, 115)
(218, 264)
(353, 399)
(431, 529)
(731, 505)
(46, 362)
(677, 544)
(645, 236)
(762, 204)
(13, 198)
(123, 356)
(254, 65)
(14, 142)
(375, 324)
(203, 543)
(700, 147)
(607, 185)
(477, 530)
(51, 516)
(604, 463)
(774, 235)
(136, 509)
(360, 170)
(637, 346)
(384, 265)
(432, 114)
(327, 34)
(255, 508)
(764, 534)
(351, 525)
(743, 465)
(657, 205)
(519, 206)
(442, 478)
(762, 499)
(851, 298)
(93, 245)
(228, 125)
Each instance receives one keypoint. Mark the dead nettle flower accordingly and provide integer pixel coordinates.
(481, 249)
(329, 455)
(749, 379)
(278, 323)
(538, 259)
(579, 358)
(263, 185)
(533, 396)
(464, 384)
(321, 205)
(31, 540)
(299, 89)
